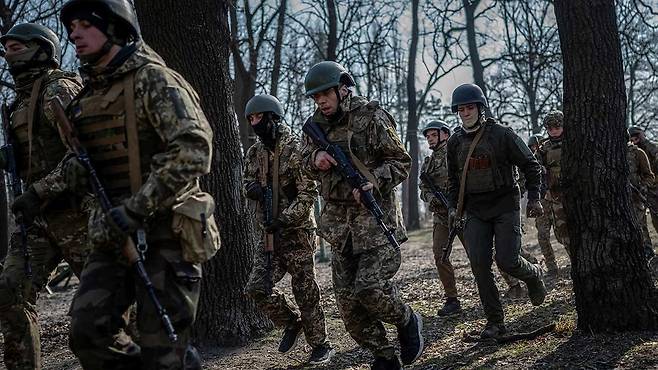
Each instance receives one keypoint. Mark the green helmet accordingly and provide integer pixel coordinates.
(120, 12)
(326, 75)
(534, 140)
(436, 125)
(634, 130)
(263, 103)
(554, 119)
(26, 32)
(467, 94)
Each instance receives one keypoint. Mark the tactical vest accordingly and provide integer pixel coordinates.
(31, 132)
(486, 172)
(107, 128)
(553, 157)
(436, 168)
(632, 158)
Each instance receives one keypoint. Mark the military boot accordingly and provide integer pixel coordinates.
(321, 354)
(493, 330)
(536, 289)
(451, 307)
(386, 364)
(290, 336)
(411, 339)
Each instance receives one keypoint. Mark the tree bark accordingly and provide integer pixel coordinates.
(225, 315)
(278, 45)
(332, 37)
(413, 217)
(611, 281)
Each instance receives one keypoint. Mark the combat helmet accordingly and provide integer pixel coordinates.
(44, 36)
(263, 103)
(325, 75)
(467, 94)
(436, 125)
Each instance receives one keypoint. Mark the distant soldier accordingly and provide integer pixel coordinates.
(544, 222)
(638, 138)
(363, 259)
(274, 163)
(55, 227)
(550, 154)
(641, 179)
(485, 197)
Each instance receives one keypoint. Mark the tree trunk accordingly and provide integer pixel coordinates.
(332, 37)
(473, 52)
(278, 46)
(611, 281)
(4, 220)
(413, 217)
(225, 315)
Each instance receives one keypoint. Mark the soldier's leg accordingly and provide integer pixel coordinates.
(107, 289)
(177, 284)
(18, 296)
(507, 229)
(367, 331)
(69, 231)
(278, 308)
(478, 235)
(543, 225)
(559, 219)
(446, 270)
(641, 212)
(305, 288)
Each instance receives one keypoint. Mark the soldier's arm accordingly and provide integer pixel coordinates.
(53, 184)
(307, 155)
(647, 176)
(307, 192)
(453, 173)
(250, 167)
(395, 162)
(522, 157)
(174, 112)
(425, 191)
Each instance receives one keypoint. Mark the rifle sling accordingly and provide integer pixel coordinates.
(134, 166)
(462, 183)
(31, 112)
(357, 162)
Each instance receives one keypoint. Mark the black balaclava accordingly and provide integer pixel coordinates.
(266, 129)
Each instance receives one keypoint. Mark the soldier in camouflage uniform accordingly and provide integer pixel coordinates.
(274, 161)
(56, 228)
(651, 150)
(145, 133)
(363, 260)
(641, 178)
(482, 156)
(549, 157)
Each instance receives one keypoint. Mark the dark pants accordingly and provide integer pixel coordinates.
(480, 234)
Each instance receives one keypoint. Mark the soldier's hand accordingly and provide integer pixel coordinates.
(75, 175)
(275, 226)
(534, 209)
(123, 220)
(254, 190)
(357, 194)
(324, 161)
(27, 206)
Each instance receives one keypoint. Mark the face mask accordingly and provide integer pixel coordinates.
(472, 124)
(23, 60)
(265, 131)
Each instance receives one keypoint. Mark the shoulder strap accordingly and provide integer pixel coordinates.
(134, 165)
(275, 179)
(462, 183)
(35, 94)
(357, 162)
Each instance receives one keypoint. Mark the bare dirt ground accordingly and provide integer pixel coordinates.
(445, 348)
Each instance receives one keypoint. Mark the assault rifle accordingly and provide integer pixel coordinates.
(354, 178)
(455, 229)
(134, 253)
(268, 216)
(16, 188)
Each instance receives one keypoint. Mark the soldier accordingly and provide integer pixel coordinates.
(55, 226)
(482, 155)
(544, 222)
(549, 157)
(145, 133)
(274, 162)
(651, 150)
(641, 178)
(363, 260)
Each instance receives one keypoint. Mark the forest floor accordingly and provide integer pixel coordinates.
(445, 348)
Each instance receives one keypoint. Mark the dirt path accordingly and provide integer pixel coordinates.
(445, 348)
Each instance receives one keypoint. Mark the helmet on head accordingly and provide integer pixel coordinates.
(634, 130)
(467, 94)
(44, 36)
(436, 125)
(119, 14)
(554, 119)
(534, 140)
(263, 103)
(326, 75)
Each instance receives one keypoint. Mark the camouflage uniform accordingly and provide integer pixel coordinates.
(363, 261)
(174, 141)
(294, 247)
(651, 151)
(59, 232)
(549, 156)
(641, 178)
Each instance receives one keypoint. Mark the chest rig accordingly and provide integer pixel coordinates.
(106, 124)
(553, 157)
(37, 144)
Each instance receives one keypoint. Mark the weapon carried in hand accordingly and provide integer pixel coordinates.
(457, 225)
(267, 205)
(134, 253)
(16, 188)
(354, 178)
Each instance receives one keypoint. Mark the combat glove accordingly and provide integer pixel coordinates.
(124, 220)
(534, 209)
(27, 206)
(254, 190)
(75, 175)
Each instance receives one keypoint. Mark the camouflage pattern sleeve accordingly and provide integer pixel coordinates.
(395, 161)
(166, 102)
(307, 158)
(644, 168)
(521, 156)
(300, 208)
(53, 184)
(425, 191)
(250, 167)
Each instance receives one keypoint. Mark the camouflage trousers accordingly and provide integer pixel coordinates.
(641, 212)
(544, 224)
(652, 204)
(107, 289)
(293, 254)
(366, 297)
(61, 236)
(558, 219)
